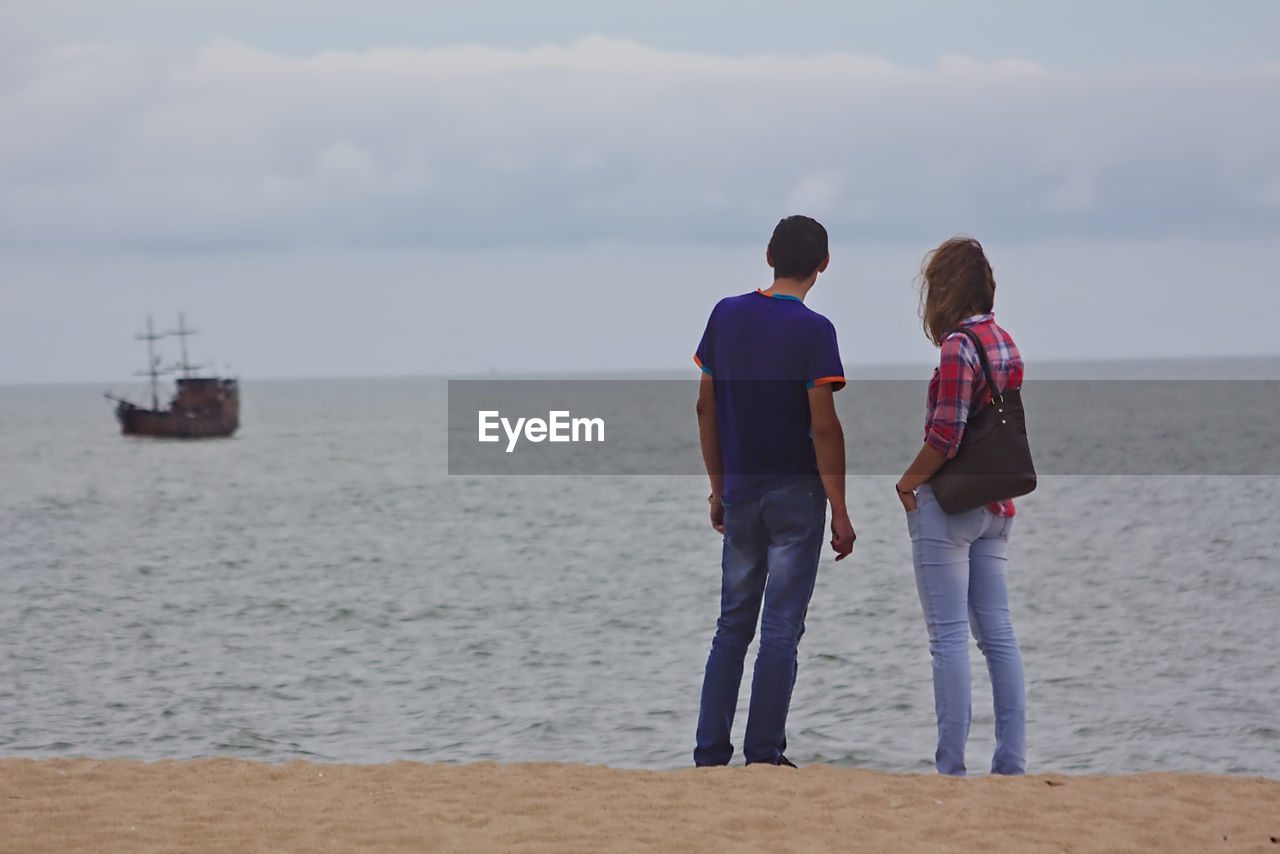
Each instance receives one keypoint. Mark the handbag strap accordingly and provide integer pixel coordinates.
(996, 393)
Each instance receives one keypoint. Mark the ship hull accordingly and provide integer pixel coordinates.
(166, 424)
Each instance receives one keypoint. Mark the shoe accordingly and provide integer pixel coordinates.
(782, 761)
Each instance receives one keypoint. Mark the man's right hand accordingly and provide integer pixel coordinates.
(717, 516)
(842, 535)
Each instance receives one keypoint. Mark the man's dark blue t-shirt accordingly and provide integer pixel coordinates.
(764, 353)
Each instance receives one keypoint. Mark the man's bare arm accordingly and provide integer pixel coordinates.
(828, 444)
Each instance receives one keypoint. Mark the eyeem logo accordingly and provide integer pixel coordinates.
(559, 426)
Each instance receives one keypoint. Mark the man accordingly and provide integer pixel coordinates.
(774, 451)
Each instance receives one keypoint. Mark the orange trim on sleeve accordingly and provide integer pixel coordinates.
(698, 362)
(838, 382)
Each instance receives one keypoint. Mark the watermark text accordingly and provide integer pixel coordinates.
(558, 426)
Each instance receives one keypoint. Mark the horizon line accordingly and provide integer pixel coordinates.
(617, 372)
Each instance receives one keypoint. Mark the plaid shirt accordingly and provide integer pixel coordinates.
(959, 385)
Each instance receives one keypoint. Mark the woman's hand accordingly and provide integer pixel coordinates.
(907, 497)
(928, 461)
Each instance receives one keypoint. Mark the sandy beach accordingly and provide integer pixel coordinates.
(238, 805)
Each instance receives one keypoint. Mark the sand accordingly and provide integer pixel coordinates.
(237, 805)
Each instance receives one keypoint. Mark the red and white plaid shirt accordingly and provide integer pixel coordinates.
(959, 385)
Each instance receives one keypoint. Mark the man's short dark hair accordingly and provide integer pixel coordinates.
(798, 245)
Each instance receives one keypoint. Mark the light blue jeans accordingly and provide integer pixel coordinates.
(960, 562)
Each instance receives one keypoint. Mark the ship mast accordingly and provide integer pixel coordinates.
(153, 362)
(182, 332)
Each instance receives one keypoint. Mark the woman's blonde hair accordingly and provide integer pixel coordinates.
(955, 282)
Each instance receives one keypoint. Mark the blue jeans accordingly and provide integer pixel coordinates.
(771, 549)
(960, 573)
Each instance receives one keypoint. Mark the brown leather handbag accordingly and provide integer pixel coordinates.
(994, 460)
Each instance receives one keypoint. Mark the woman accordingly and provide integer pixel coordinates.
(960, 558)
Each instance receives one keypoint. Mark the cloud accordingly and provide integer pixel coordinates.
(230, 146)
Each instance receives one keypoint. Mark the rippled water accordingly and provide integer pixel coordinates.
(318, 587)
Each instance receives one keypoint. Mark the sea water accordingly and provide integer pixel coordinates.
(320, 587)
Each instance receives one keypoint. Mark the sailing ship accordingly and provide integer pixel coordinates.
(202, 407)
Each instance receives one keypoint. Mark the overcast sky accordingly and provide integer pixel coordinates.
(402, 187)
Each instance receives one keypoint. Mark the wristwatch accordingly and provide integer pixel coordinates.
(714, 499)
(902, 491)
